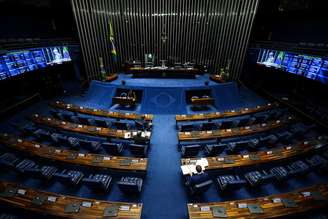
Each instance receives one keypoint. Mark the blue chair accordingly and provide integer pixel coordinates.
(190, 150)
(130, 185)
(255, 178)
(112, 148)
(8, 159)
(69, 177)
(98, 182)
(139, 149)
(215, 149)
(101, 123)
(230, 182)
(85, 121)
(200, 188)
(90, 145)
(56, 115)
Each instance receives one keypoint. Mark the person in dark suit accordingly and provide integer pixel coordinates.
(197, 178)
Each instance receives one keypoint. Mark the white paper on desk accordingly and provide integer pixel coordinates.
(202, 162)
(127, 135)
(124, 208)
(188, 169)
(191, 168)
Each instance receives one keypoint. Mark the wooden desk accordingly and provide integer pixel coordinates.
(231, 113)
(111, 77)
(73, 157)
(272, 206)
(169, 71)
(130, 101)
(54, 204)
(234, 132)
(86, 129)
(98, 112)
(202, 101)
(261, 157)
(217, 78)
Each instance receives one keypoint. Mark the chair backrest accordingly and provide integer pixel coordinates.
(216, 148)
(209, 126)
(191, 150)
(226, 124)
(56, 115)
(121, 125)
(130, 185)
(101, 123)
(98, 181)
(84, 120)
(186, 128)
(112, 147)
(139, 149)
(8, 159)
(68, 117)
(244, 121)
(201, 187)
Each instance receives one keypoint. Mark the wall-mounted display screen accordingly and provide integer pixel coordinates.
(17, 62)
(312, 67)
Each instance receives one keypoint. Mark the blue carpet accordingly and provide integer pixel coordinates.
(164, 96)
(163, 82)
(163, 195)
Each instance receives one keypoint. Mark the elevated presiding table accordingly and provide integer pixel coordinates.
(163, 72)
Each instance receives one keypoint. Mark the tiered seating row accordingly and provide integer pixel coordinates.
(225, 133)
(235, 146)
(91, 130)
(73, 157)
(74, 143)
(98, 112)
(231, 122)
(59, 205)
(68, 177)
(217, 115)
(102, 122)
(242, 160)
(278, 174)
(291, 203)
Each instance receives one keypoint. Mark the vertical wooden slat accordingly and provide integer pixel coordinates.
(211, 32)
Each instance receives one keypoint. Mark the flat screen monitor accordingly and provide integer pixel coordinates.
(312, 67)
(18, 62)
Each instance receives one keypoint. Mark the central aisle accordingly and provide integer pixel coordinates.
(163, 195)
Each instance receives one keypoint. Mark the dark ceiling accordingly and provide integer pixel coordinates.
(291, 20)
(36, 18)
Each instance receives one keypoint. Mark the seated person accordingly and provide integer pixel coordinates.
(197, 178)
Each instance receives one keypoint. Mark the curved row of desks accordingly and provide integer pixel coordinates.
(272, 206)
(90, 130)
(231, 113)
(234, 132)
(99, 112)
(72, 157)
(20, 197)
(255, 158)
